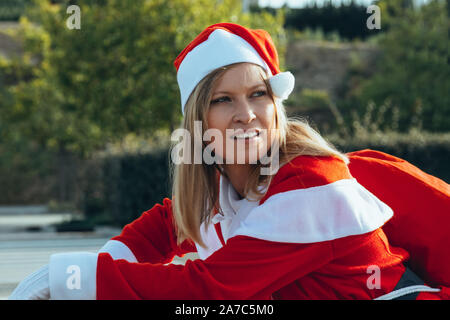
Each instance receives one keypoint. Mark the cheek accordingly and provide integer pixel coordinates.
(268, 121)
(267, 116)
(214, 119)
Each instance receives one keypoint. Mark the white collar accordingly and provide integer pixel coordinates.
(229, 201)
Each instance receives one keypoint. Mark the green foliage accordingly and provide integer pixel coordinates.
(134, 183)
(413, 71)
(77, 91)
(112, 77)
(27, 173)
(316, 35)
(11, 10)
(346, 21)
(318, 109)
(309, 99)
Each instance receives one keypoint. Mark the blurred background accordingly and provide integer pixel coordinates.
(86, 115)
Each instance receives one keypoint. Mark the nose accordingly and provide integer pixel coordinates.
(243, 111)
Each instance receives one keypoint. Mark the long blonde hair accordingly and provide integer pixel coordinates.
(195, 188)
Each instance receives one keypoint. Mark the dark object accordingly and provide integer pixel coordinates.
(33, 229)
(75, 226)
(408, 279)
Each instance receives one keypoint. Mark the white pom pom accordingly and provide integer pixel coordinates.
(282, 84)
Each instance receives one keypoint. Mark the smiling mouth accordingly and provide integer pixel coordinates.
(246, 135)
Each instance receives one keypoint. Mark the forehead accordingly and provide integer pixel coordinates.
(239, 76)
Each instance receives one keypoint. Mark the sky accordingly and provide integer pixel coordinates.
(302, 3)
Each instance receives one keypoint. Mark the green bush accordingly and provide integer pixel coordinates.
(27, 173)
(346, 20)
(132, 184)
(11, 10)
(112, 77)
(315, 106)
(427, 151)
(413, 70)
(307, 100)
(76, 91)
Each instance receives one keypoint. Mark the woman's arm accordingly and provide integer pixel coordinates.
(150, 238)
(246, 268)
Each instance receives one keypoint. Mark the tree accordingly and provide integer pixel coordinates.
(74, 91)
(115, 75)
(413, 72)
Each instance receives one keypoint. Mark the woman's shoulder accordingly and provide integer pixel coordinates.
(305, 171)
(314, 199)
(315, 170)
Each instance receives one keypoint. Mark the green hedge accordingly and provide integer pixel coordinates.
(125, 186)
(348, 19)
(122, 187)
(11, 10)
(429, 152)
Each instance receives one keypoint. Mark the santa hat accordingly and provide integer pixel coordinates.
(223, 44)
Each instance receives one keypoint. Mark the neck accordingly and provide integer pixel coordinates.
(238, 176)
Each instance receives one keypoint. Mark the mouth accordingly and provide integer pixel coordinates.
(247, 135)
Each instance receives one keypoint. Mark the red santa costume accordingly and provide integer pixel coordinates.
(316, 234)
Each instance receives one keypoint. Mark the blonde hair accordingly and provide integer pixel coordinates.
(194, 204)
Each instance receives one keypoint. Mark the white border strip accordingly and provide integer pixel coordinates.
(405, 291)
(339, 209)
(118, 250)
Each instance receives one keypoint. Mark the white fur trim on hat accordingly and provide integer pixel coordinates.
(222, 48)
(282, 84)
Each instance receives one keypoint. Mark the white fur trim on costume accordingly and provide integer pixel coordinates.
(339, 209)
(282, 84)
(118, 250)
(335, 210)
(220, 49)
(72, 276)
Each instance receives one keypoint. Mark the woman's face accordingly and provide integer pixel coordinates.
(242, 110)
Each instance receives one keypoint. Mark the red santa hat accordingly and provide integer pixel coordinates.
(223, 44)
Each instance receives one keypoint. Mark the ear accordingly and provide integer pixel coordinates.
(282, 84)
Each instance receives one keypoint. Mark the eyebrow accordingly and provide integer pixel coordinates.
(249, 88)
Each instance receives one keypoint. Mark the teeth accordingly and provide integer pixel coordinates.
(246, 135)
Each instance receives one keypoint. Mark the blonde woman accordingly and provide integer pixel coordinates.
(269, 206)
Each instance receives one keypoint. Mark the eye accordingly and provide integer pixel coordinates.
(259, 93)
(221, 99)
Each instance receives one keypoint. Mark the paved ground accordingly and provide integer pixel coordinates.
(22, 252)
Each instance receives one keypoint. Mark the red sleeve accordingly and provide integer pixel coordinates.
(246, 268)
(421, 204)
(152, 236)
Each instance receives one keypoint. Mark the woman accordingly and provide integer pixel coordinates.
(275, 215)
